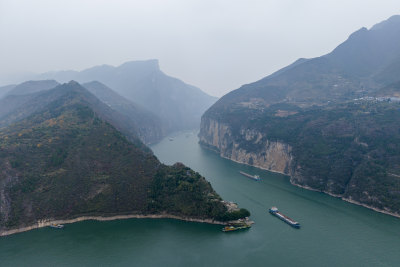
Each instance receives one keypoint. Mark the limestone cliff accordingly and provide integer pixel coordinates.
(323, 121)
(345, 150)
(274, 156)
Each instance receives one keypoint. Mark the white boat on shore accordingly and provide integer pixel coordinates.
(57, 226)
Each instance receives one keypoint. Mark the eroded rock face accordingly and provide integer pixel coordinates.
(352, 176)
(270, 155)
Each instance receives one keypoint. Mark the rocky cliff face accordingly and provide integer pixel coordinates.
(316, 120)
(346, 150)
(270, 155)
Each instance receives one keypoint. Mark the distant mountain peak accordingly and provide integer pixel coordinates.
(360, 32)
(29, 87)
(366, 61)
(142, 82)
(149, 64)
(393, 20)
(72, 82)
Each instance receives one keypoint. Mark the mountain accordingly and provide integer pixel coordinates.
(392, 90)
(32, 87)
(148, 126)
(331, 123)
(178, 104)
(18, 97)
(5, 89)
(66, 160)
(29, 97)
(18, 107)
(365, 62)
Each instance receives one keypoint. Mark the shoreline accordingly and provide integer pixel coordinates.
(48, 222)
(349, 200)
(310, 188)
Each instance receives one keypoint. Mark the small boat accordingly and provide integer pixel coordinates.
(231, 228)
(57, 226)
(254, 177)
(171, 139)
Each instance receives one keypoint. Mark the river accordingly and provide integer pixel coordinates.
(333, 232)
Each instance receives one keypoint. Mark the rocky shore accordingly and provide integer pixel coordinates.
(273, 156)
(204, 145)
(347, 200)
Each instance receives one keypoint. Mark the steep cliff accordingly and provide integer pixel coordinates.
(332, 123)
(351, 150)
(270, 155)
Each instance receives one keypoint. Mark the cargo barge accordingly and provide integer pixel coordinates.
(254, 177)
(274, 211)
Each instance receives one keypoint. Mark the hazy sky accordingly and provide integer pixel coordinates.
(216, 45)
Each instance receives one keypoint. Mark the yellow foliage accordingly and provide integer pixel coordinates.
(39, 145)
(51, 122)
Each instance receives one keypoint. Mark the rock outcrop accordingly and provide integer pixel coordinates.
(347, 150)
(274, 156)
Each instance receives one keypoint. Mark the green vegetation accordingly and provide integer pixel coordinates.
(234, 215)
(341, 146)
(350, 149)
(65, 161)
(179, 189)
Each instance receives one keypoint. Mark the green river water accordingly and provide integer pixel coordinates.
(333, 233)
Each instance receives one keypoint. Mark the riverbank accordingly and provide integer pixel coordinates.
(46, 223)
(307, 187)
(348, 200)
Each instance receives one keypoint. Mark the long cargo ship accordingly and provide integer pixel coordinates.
(254, 177)
(274, 211)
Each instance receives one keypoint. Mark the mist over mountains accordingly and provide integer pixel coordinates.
(29, 97)
(148, 126)
(365, 62)
(176, 103)
(159, 104)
